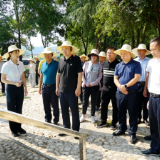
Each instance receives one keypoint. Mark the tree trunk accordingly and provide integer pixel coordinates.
(138, 36)
(144, 33)
(44, 45)
(104, 44)
(31, 47)
(132, 40)
(97, 42)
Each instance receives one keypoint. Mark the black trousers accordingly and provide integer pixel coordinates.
(50, 99)
(15, 96)
(81, 96)
(98, 99)
(3, 85)
(124, 103)
(70, 100)
(106, 96)
(37, 76)
(154, 118)
(87, 91)
(142, 103)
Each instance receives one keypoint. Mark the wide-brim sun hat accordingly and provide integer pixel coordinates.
(47, 50)
(102, 54)
(83, 55)
(11, 49)
(94, 52)
(140, 46)
(125, 47)
(36, 57)
(31, 59)
(69, 44)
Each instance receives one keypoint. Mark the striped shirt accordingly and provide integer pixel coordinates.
(108, 73)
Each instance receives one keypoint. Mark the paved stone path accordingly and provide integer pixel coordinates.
(101, 145)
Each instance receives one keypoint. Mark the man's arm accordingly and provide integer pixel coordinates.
(40, 83)
(145, 86)
(78, 89)
(121, 87)
(24, 84)
(134, 80)
(57, 83)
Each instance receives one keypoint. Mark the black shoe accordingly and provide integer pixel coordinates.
(147, 138)
(146, 122)
(62, 135)
(55, 123)
(47, 121)
(148, 152)
(15, 134)
(21, 131)
(113, 127)
(101, 125)
(118, 133)
(76, 137)
(133, 139)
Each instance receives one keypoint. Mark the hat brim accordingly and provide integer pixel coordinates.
(41, 55)
(93, 54)
(21, 51)
(119, 52)
(135, 51)
(74, 49)
(84, 57)
(102, 56)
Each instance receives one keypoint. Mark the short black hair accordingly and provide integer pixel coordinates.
(112, 47)
(157, 39)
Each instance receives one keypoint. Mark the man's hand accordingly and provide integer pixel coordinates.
(25, 92)
(89, 85)
(122, 88)
(18, 84)
(40, 91)
(148, 105)
(78, 92)
(57, 91)
(145, 93)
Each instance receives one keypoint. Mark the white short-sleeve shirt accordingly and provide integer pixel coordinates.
(13, 71)
(154, 76)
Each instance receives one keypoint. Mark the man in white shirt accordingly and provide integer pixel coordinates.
(2, 84)
(153, 81)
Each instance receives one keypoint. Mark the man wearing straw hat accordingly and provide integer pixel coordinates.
(3, 84)
(48, 77)
(68, 84)
(37, 64)
(141, 53)
(102, 58)
(127, 74)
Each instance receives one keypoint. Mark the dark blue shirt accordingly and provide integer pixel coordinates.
(49, 72)
(126, 73)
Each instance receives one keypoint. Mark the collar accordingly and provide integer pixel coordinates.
(10, 61)
(143, 59)
(128, 62)
(68, 58)
(111, 62)
(50, 62)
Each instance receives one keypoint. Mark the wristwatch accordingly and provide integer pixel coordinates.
(125, 86)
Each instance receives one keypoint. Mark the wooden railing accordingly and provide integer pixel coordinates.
(12, 116)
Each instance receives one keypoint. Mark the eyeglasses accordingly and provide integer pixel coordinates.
(110, 53)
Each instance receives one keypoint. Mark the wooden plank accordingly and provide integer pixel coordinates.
(12, 116)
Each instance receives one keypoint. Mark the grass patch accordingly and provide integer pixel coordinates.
(27, 97)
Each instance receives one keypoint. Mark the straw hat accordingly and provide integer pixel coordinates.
(141, 46)
(11, 49)
(47, 50)
(94, 52)
(102, 54)
(67, 43)
(83, 55)
(125, 47)
(36, 57)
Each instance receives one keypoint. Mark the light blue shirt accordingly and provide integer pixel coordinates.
(144, 64)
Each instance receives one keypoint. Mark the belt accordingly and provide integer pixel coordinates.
(48, 85)
(128, 91)
(155, 95)
(141, 83)
(111, 86)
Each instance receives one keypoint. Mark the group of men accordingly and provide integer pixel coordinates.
(132, 84)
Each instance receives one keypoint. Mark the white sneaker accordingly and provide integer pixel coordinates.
(92, 119)
(82, 119)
